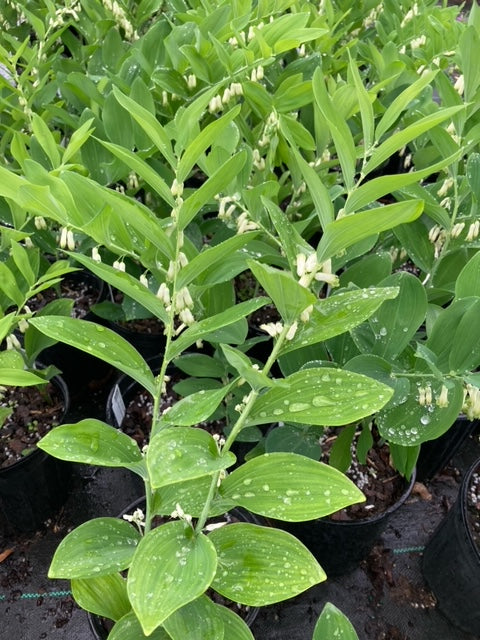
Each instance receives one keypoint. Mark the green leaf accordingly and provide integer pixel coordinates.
(244, 366)
(149, 124)
(374, 189)
(468, 281)
(8, 285)
(126, 283)
(78, 139)
(289, 297)
(96, 548)
(177, 454)
(344, 232)
(305, 489)
(395, 323)
(469, 41)
(215, 184)
(197, 620)
(465, 341)
(6, 324)
(91, 441)
(100, 342)
(200, 365)
(365, 104)
(341, 134)
(210, 327)
(235, 627)
(196, 407)
(409, 423)
(473, 173)
(171, 567)
(341, 451)
(401, 102)
(191, 495)
(46, 140)
(398, 140)
(212, 256)
(18, 378)
(337, 314)
(205, 139)
(144, 170)
(251, 559)
(129, 628)
(20, 256)
(103, 595)
(332, 623)
(320, 396)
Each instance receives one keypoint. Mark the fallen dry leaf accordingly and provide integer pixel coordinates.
(4, 554)
(421, 490)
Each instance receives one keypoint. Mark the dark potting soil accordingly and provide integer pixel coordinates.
(381, 484)
(473, 506)
(34, 412)
(84, 293)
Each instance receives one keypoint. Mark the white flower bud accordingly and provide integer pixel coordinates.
(40, 222)
(459, 85)
(63, 238)
(442, 400)
(144, 280)
(177, 188)
(96, 255)
(119, 265)
(292, 331)
(311, 263)
(70, 240)
(301, 261)
(23, 325)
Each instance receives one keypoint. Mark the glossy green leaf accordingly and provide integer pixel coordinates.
(332, 623)
(197, 620)
(126, 283)
(320, 396)
(149, 124)
(20, 256)
(205, 139)
(18, 378)
(468, 281)
(391, 328)
(375, 189)
(6, 324)
(129, 628)
(344, 232)
(469, 41)
(96, 548)
(171, 567)
(337, 314)
(77, 140)
(365, 105)
(144, 170)
(191, 495)
(100, 342)
(398, 140)
(465, 341)
(305, 489)
(409, 423)
(262, 565)
(9, 286)
(103, 595)
(234, 626)
(213, 185)
(413, 237)
(212, 256)
(401, 102)
(244, 366)
(289, 297)
(177, 454)
(213, 325)
(473, 174)
(197, 407)
(200, 365)
(46, 140)
(341, 134)
(91, 441)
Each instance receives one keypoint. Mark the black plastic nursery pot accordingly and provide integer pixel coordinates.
(435, 454)
(97, 624)
(451, 564)
(340, 546)
(35, 487)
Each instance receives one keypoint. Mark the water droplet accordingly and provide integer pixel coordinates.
(383, 331)
(277, 412)
(299, 406)
(425, 419)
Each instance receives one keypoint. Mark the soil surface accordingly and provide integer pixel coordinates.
(83, 289)
(34, 412)
(473, 506)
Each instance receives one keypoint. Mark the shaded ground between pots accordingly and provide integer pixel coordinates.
(386, 598)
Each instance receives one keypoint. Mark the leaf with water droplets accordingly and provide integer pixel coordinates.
(337, 314)
(171, 567)
(196, 407)
(320, 396)
(197, 620)
(103, 595)
(333, 625)
(304, 490)
(129, 628)
(91, 441)
(177, 454)
(261, 565)
(96, 548)
(100, 342)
